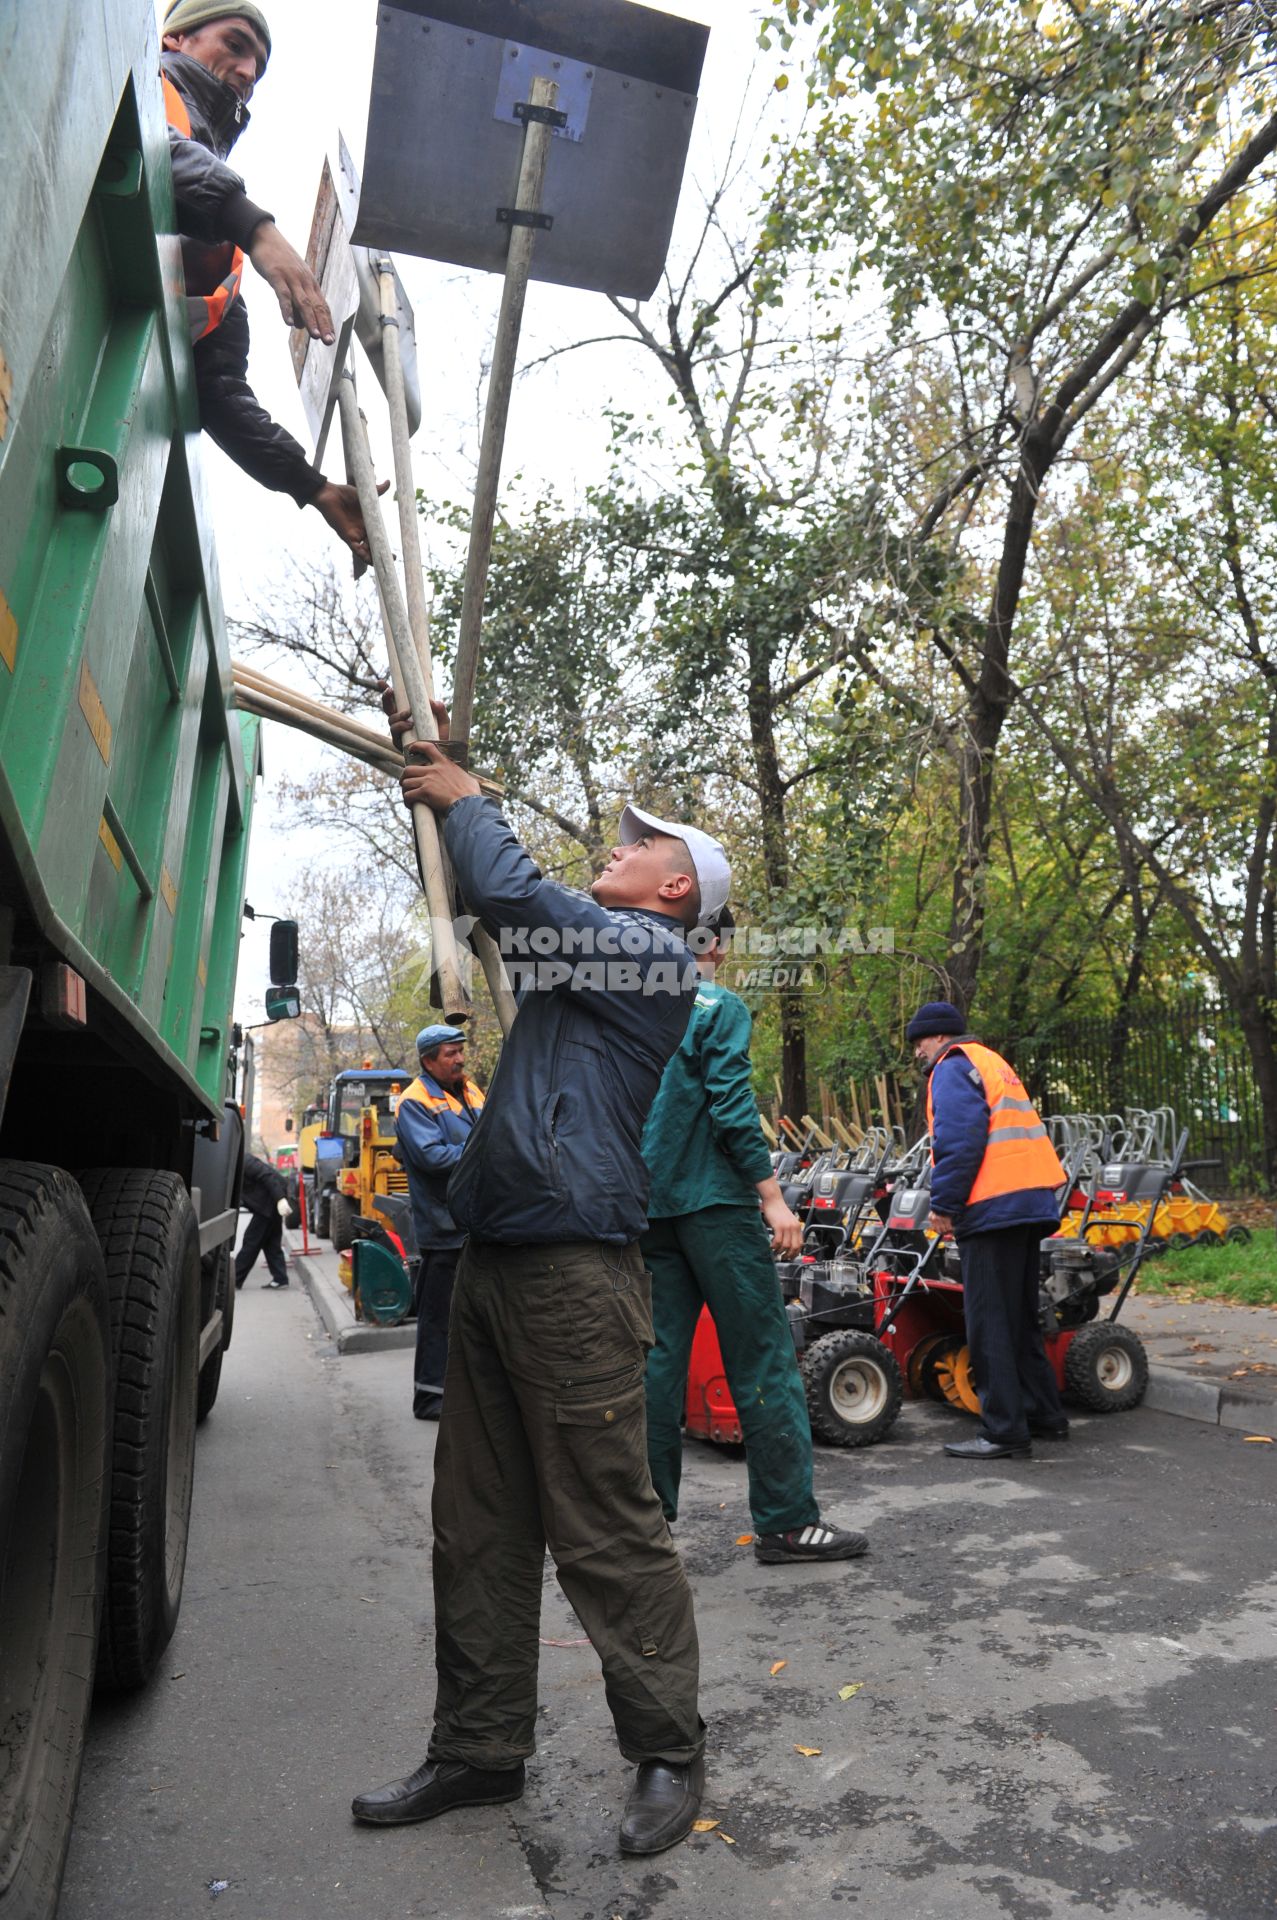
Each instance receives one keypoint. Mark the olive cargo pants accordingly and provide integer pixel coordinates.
(542, 1443)
(718, 1258)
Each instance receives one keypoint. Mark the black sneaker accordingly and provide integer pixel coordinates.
(817, 1542)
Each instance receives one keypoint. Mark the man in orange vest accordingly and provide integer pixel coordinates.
(213, 58)
(993, 1185)
(435, 1118)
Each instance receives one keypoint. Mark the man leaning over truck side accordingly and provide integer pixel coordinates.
(213, 58)
(433, 1123)
(541, 1439)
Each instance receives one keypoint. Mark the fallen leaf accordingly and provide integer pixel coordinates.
(845, 1693)
(744, 1539)
(704, 1826)
(777, 1665)
(1258, 1440)
(809, 1753)
(1201, 1346)
(1239, 1373)
(728, 1838)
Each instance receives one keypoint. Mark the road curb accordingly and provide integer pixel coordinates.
(332, 1304)
(1170, 1391)
(1188, 1397)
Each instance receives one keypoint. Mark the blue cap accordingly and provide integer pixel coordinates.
(431, 1037)
(936, 1017)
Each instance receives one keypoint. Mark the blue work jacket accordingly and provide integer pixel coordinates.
(432, 1127)
(959, 1139)
(604, 999)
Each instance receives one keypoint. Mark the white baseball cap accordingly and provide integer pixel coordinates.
(713, 874)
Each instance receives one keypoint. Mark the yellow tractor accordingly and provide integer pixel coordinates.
(373, 1171)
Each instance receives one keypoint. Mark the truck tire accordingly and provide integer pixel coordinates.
(341, 1216)
(854, 1388)
(150, 1242)
(1106, 1368)
(224, 1294)
(55, 1416)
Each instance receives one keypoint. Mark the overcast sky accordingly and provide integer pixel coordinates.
(318, 81)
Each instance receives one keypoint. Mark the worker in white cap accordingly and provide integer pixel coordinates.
(541, 1440)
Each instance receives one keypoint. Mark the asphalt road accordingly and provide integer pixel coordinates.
(1067, 1674)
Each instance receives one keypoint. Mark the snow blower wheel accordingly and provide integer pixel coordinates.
(854, 1388)
(1106, 1368)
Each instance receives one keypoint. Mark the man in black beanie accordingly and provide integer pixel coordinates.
(994, 1186)
(212, 60)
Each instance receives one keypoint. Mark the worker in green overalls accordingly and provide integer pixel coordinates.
(713, 1205)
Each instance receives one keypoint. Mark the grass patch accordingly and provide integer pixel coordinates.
(1245, 1274)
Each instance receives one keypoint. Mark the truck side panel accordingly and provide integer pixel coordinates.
(125, 787)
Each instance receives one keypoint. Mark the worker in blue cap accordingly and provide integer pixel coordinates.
(434, 1122)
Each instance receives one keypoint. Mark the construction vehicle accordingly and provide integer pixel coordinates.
(374, 1171)
(313, 1122)
(353, 1151)
(126, 795)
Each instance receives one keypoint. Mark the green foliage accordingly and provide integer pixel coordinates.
(1245, 1274)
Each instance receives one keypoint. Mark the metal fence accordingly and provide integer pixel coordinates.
(1189, 1056)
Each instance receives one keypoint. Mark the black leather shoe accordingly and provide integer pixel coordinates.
(662, 1804)
(436, 1787)
(982, 1449)
(427, 1409)
(1037, 1432)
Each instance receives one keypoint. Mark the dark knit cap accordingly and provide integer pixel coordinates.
(184, 16)
(937, 1016)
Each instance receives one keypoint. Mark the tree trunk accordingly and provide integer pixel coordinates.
(1256, 1023)
(987, 708)
(771, 806)
(970, 873)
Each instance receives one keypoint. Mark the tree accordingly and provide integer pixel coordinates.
(1030, 185)
(1166, 713)
(362, 977)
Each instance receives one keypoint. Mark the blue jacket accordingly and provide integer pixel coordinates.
(961, 1135)
(604, 999)
(432, 1127)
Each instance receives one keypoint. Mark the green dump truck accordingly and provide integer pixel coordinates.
(126, 786)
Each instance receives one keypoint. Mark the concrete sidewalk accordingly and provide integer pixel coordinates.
(317, 1271)
(1207, 1361)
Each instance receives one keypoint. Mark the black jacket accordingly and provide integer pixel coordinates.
(556, 1154)
(263, 1187)
(215, 215)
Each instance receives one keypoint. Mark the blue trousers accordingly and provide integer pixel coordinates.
(1014, 1378)
(435, 1273)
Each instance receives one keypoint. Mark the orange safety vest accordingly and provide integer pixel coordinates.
(1018, 1155)
(205, 310)
(420, 1091)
